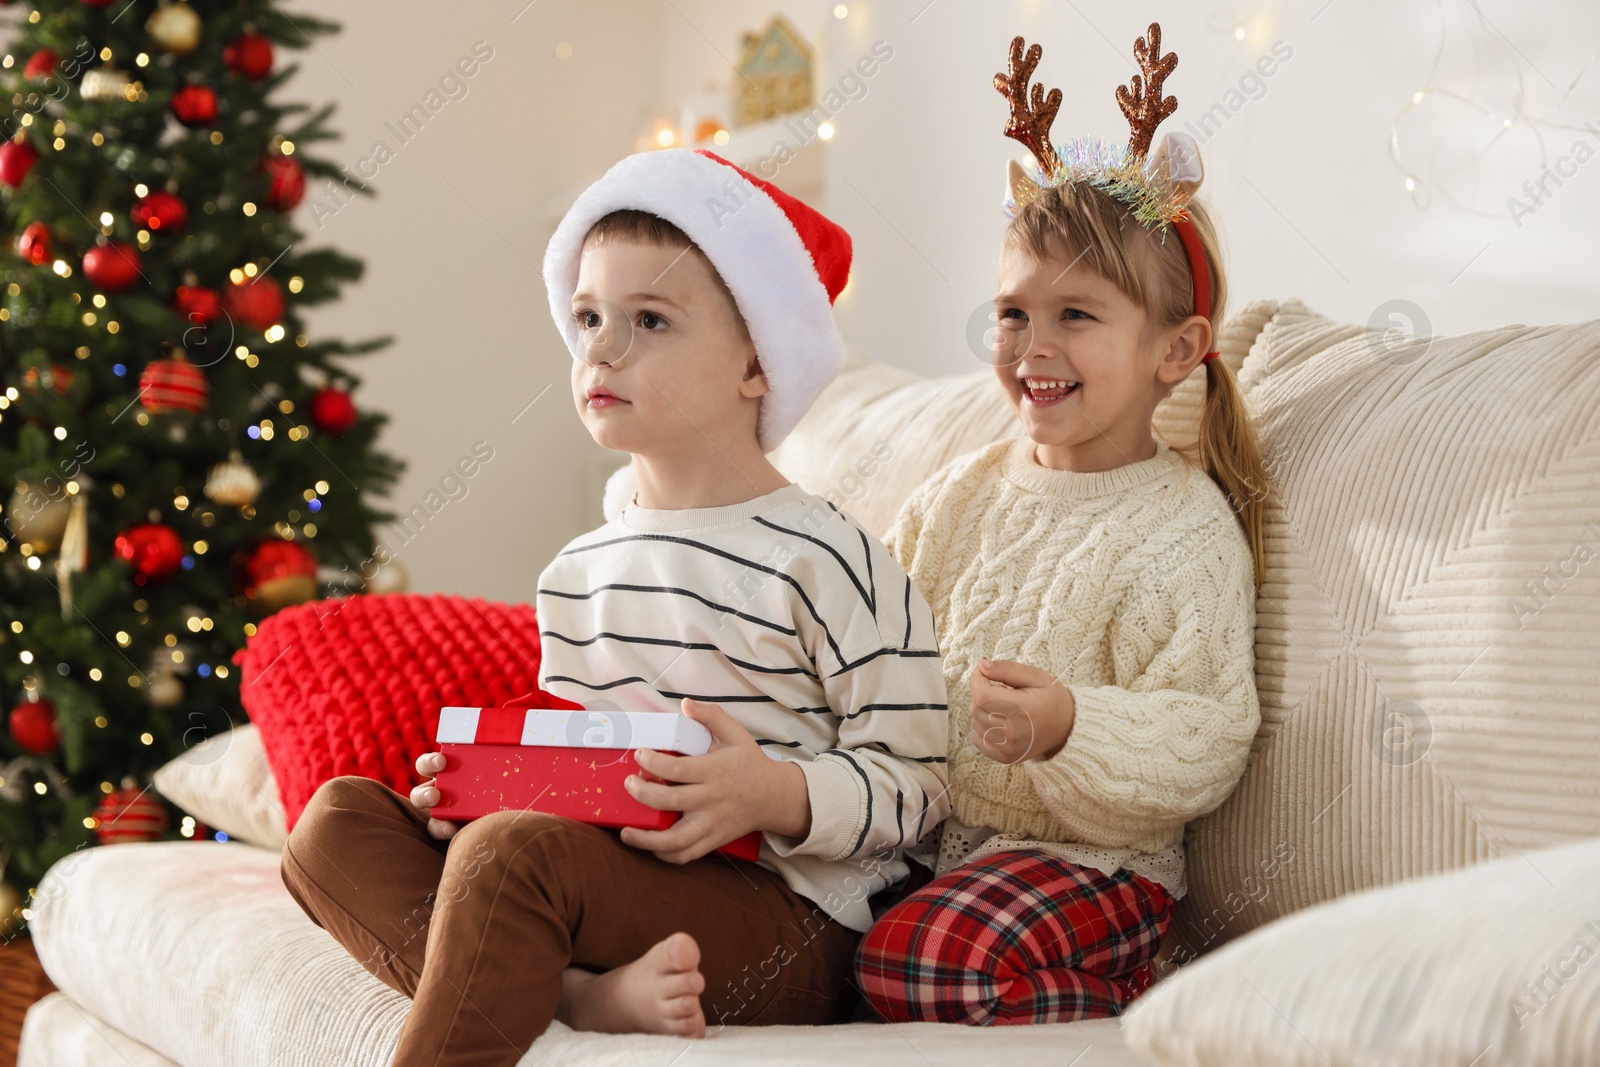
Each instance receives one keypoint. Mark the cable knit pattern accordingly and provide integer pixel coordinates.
(1134, 587)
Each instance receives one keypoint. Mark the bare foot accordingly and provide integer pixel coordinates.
(658, 993)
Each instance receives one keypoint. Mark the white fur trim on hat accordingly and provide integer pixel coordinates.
(753, 246)
(619, 490)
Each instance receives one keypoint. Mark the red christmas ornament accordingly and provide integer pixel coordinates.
(34, 726)
(16, 160)
(33, 244)
(278, 573)
(129, 815)
(257, 303)
(195, 105)
(113, 266)
(332, 410)
(286, 181)
(160, 212)
(250, 54)
(153, 549)
(41, 63)
(172, 385)
(99, 3)
(198, 305)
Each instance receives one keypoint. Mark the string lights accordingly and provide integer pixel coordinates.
(1513, 116)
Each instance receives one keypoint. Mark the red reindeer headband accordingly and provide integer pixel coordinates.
(1156, 187)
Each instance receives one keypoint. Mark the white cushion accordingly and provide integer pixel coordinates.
(1421, 493)
(225, 782)
(196, 950)
(58, 1033)
(1497, 965)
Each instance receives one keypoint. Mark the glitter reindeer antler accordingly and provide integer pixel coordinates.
(1142, 102)
(1156, 185)
(1032, 111)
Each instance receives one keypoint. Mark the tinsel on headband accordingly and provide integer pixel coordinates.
(1155, 200)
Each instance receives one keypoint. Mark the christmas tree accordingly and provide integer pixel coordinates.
(178, 458)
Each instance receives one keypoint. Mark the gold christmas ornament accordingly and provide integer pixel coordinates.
(233, 482)
(291, 589)
(389, 578)
(175, 27)
(104, 84)
(74, 555)
(37, 518)
(165, 690)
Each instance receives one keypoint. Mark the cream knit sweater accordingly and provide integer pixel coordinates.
(1135, 588)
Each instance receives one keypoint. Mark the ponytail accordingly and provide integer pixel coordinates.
(1228, 451)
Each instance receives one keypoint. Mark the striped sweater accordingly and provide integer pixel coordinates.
(799, 623)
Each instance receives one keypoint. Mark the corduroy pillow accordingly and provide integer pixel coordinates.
(1425, 637)
(225, 783)
(1491, 965)
(354, 685)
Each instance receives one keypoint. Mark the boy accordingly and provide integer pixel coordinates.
(697, 303)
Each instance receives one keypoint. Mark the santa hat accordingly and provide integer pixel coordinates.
(784, 263)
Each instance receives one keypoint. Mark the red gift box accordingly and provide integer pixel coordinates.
(562, 762)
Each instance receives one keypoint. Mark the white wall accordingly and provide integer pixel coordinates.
(454, 243)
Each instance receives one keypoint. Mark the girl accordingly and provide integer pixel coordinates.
(1094, 591)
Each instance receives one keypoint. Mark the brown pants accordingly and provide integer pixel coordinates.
(477, 929)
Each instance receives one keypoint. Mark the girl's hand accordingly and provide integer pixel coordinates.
(724, 794)
(1019, 712)
(426, 795)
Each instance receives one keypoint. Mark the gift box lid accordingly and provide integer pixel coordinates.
(665, 731)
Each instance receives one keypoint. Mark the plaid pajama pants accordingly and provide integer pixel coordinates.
(1015, 937)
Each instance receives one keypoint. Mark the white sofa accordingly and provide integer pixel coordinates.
(1416, 722)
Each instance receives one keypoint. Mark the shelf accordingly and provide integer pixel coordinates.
(756, 148)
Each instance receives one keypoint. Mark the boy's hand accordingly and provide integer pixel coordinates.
(1019, 712)
(426, 795)
(724, 794)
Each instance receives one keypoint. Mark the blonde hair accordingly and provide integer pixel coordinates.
(1097, 230)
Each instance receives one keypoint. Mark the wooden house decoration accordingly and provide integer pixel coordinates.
(774, 74)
